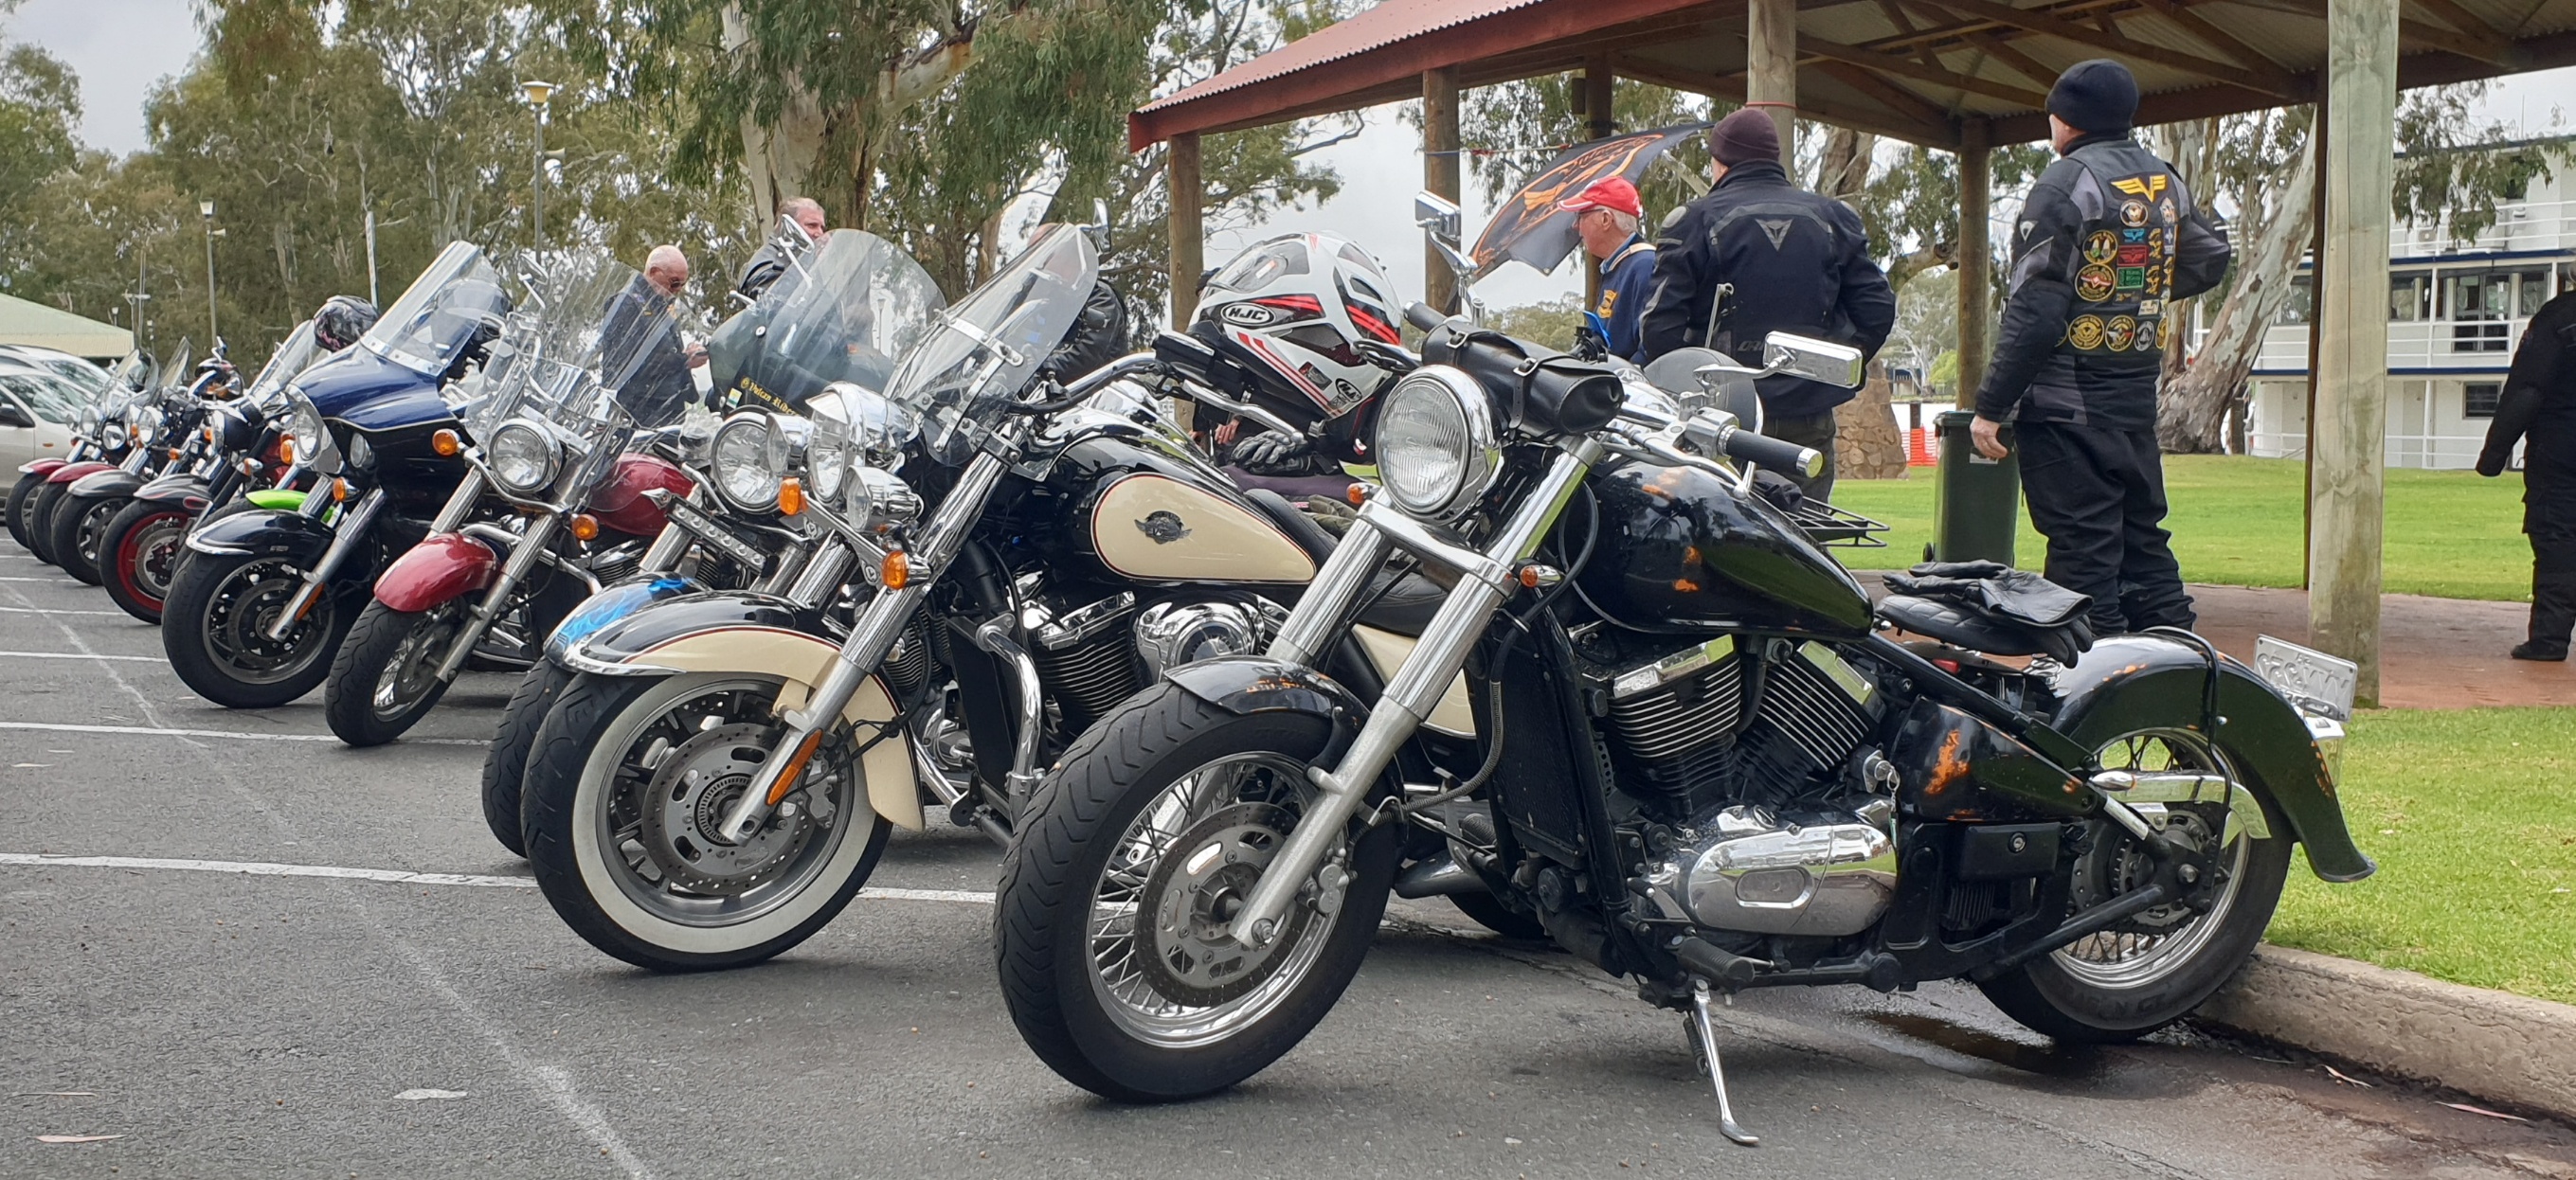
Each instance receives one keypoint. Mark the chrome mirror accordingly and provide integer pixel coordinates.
(1816, 360)
(1440, 217)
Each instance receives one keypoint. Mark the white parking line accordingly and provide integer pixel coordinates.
(73, 655)
(147, 731)
(254, 868)
(62, 581)
(37, 610)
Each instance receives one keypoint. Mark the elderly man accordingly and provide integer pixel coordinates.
(771, 261)
(640, 341)
(1605, 217)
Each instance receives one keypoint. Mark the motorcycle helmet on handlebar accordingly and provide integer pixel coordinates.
(341, 320)
(1299, 311)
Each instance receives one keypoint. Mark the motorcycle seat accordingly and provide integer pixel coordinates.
(1979, 631)
(1405, 608)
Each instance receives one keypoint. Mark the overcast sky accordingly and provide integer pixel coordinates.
(121, 48)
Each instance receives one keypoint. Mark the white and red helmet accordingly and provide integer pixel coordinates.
(1295, 309)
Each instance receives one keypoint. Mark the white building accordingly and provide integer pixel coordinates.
(2455, 314)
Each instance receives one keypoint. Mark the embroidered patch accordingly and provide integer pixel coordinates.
(2148, 307)
(2028, 226)
(1609, 299)
(2147, 341)
(2142, 186)
(2131, 278)
(2133, 236)
(2085, 333)
(2134, 255)
(2167, 210)
(2093, 283)
(2100, 246)
(2119, 332)
(2133, 214)
(2164, 333)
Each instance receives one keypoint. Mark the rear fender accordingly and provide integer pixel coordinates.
(296, 537)
(2131, 682)
(70, 472)
(442, 568)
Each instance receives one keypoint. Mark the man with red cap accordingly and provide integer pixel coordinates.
(1606, 217)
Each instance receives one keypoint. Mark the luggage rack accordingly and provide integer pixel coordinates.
(1825, 524)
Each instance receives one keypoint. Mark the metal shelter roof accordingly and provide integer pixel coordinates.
(26, 322)
(1912, 69)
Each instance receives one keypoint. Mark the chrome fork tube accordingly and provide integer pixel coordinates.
(1318, 615)
(663, 555)
(460, 504)
(351, 532)
(524, 556)
(1412, 692)
(823, 571)
(879, 624)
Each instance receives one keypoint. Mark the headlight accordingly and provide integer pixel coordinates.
(112, 436)
(521, 457)
(739, 460)
(312, 441)
(1436, 447)
(146, 420)
(880, 500)
(362, 454)
(827, 450)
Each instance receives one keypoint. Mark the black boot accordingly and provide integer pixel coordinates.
(2553, 614)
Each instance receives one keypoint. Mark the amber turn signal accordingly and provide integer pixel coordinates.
(791, 496)
(1358, 494)
(896, 572)
(286, 449)
(585, 526)
(340, 490)
(446, 443)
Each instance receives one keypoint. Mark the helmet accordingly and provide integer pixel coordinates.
(341, 320)
(1295, 310)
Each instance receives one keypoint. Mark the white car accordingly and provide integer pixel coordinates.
(82, 374)
(37, 407)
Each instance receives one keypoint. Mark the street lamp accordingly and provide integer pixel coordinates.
(538, 93)
(206, 209)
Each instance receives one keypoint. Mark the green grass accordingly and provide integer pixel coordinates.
(2468, 814)
(2238, 522)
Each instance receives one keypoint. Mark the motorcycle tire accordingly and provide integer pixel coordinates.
(79, 523)
(212, 628)
(581, 754)
(363, 706)
(1078, 820)
(140, 553)
(505, 761)
(233, 507)
(40, 521)
(22, 502)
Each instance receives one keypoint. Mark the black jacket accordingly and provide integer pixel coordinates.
(1799, 263)
(2107, 240)
(2539, 403)
(639, 342)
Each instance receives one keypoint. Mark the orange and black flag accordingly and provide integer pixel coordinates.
(1528, 225)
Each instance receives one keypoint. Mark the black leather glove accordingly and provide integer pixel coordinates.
(1273, 453)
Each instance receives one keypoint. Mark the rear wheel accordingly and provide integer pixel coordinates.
(78, 524)
(1118, 892)
(22, 502)
(385, 677)
(215, 628)
(505, 762)
(40, 520)
(2149, 971)
(140, 550)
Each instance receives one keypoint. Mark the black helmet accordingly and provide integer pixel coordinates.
(341, 320)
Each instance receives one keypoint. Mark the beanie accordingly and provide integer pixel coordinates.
(2098, 97)
(1745, 136)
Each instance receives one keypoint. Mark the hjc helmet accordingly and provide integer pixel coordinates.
(341, 320)
(1295, 310)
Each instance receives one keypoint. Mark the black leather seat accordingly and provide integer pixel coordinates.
(1405, 608)
(1960, 627)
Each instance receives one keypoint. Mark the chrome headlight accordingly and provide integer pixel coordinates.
(827, 451)
(880, 500)
(739, 460)
(522, 457)
(1437, 450)
(312, 441)
(146, 421)
(88, 422)
(112, 436)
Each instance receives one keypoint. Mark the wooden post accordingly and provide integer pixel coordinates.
(1439, 174)
(1600, 92)
(2347, 432)
(1771, 49)
(2316, 336)
(1187, 191)
(1976, 259)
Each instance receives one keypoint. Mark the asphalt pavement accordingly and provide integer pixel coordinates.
(274, 956)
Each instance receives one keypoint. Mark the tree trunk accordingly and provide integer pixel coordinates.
(2191, 415)
(1844, 170)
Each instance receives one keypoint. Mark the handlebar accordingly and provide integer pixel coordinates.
(1764, 451)
(1420, 315)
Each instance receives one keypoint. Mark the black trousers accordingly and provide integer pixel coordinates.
(2549, 517)
(2099, 497)
(1816, 433)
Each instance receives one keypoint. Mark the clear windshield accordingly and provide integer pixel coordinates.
(293, 355)
(989, 345)
(132, 373)
(594, 346)
(439, 315)
(844, 312)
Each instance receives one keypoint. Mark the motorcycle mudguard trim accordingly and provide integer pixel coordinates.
(277, 499)
(115, 481)
(41, 466)
(804, 660)
(442, 568)
(69, 472)
(616, 647)
(2131, 682)
(1245, 685)
(299, 538)
(1387, 651)
(613, 603)
(173, 489)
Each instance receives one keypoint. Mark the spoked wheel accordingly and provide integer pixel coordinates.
(142, 547)
(1119, 893)
(215, 628)
(78, 524)
(2154, 968)
(385, 677)
(622, 798)
(22, 504)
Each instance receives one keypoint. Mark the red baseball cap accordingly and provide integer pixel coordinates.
(1613, 193)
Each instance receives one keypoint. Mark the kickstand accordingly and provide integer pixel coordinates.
(1705, 1033)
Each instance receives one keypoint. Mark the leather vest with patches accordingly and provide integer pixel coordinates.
(2132, 208)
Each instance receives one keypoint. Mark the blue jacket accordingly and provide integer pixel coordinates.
(1626, 278)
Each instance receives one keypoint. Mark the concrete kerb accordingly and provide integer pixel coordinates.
(2509, 1049)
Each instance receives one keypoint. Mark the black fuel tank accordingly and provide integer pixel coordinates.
(1682, 549)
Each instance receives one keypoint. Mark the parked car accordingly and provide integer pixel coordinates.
(88, 377)
(37, 407)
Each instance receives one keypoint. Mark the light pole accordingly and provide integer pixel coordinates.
(138, 296)
(538, 93)
(206, 209)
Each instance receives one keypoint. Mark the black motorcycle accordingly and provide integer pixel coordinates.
(164, 429)
(1706, 764)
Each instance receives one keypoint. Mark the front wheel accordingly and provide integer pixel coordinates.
(505, 761)
(78, 524)
(621, 800)
(385, 678)
(2153, 969)
(1116, 897)
(22, 504)
(215, 629)
(139, 552)
(40, 520)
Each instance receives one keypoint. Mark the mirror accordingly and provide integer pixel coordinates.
(1459, 264)
(1816, 360)
(1442, 218)
(12, 414)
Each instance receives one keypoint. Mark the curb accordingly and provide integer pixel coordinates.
(2506, 1048)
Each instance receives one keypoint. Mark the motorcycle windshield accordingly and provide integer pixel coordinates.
(441, 313)
(981, 352)
(293, 356)
(594, 353)
(843, 312)
(133, 373)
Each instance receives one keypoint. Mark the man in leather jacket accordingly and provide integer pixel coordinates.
(2106, 241)
(2538, 408)
(1798, 262)
(766, 266)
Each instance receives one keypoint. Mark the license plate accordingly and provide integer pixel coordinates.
(2313, 680)
(706, 529)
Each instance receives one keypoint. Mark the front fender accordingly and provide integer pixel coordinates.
(292, 535)
(1258, 684)
(115, 481)
(2133, 682)
(71, 472)
(41, 466)
(751, 634)
(278, 499)
(442, 568)
(174, 489)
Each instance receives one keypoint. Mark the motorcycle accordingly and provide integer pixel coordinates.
(721, 776)
(259, 607)
(165, 437)
(102, 440)
(238, 450)
(1706, 766)
(711, 542)
(552, 506)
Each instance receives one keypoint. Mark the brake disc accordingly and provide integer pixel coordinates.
(692, 790)
(1189, 903)
(2116, 865)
